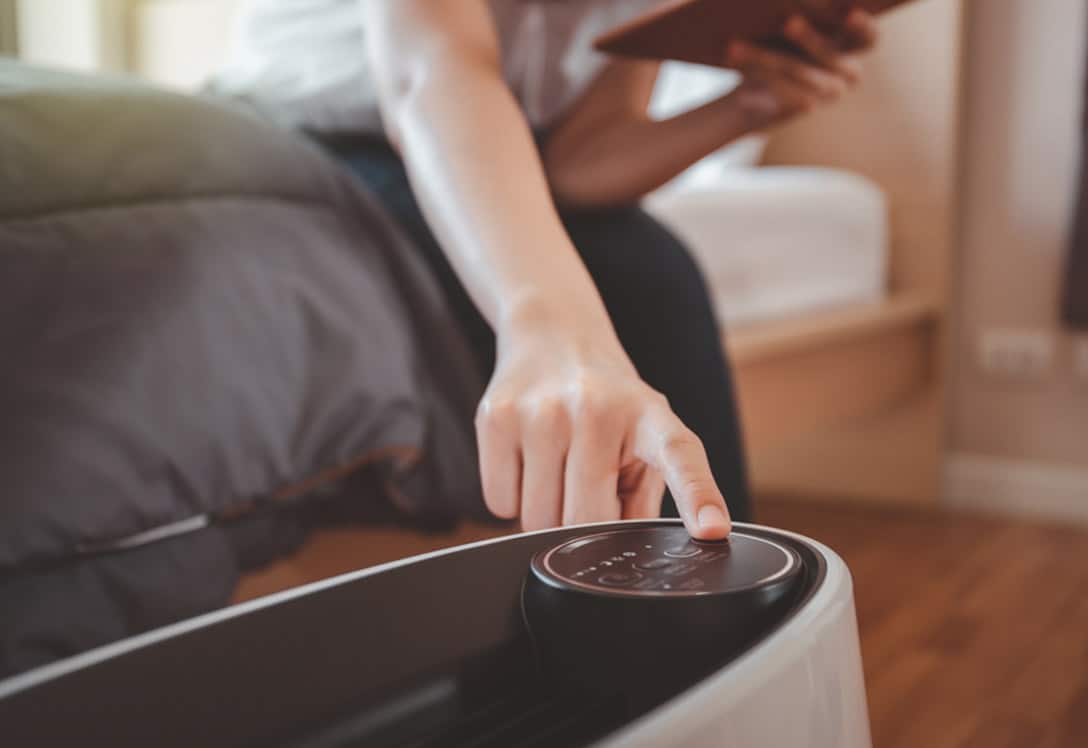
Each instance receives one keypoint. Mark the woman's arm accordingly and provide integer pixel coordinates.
(472, 160)
(567, 431)
(589, 158)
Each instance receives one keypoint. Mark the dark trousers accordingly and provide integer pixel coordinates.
(650, 285)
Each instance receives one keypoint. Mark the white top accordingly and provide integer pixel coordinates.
(304, 62)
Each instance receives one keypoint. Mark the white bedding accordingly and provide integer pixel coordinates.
(777, 242)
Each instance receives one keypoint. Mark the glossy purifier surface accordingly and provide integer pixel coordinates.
(636, 614)
(665, 562)
(471, 646)
(802, 685)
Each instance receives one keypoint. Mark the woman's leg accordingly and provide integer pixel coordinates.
(380, 168)
(652, 290)
(660, 307)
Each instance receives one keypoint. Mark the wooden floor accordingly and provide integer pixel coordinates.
(974, 631)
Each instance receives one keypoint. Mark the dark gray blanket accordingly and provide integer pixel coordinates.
(200, 313)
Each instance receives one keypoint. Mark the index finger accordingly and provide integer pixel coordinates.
(667, 445)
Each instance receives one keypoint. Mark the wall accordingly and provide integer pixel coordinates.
(7, 28)
(1017, 442)
(900, 129)
(77, 34)
(172, 42)
(178, 43)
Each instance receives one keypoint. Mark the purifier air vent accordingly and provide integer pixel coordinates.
(535, 717)
(532, 719)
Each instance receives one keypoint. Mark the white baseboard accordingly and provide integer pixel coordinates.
(1029, 489)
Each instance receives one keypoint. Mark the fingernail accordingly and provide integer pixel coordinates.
(712, 517)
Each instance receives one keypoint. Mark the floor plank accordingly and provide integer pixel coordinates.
(974, 630)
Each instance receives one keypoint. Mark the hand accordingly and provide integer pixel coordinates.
(568, 434)
(779, 85)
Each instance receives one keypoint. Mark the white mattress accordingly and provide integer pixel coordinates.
(776, 242)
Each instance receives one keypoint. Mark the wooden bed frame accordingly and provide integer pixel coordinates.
(835, 405)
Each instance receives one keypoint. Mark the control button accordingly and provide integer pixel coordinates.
(653, 563)
(619, 578)
(682, 551)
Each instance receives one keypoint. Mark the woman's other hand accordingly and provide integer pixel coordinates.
(568, 434)
(779, 85)
(608, 151)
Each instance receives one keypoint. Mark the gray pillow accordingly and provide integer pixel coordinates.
(199, 311)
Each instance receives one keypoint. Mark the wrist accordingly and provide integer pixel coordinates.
(537, 313)
(571, 326)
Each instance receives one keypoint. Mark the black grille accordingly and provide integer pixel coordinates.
(533, 720)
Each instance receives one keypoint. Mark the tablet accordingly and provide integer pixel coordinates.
(699, 30)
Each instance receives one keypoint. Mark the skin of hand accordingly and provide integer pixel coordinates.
(778, 85)
(570, 434)
(588, 157)
(567, 430)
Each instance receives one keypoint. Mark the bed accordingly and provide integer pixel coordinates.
(781, 242)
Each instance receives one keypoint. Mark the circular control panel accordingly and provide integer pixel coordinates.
(665, 562)
(610, 607)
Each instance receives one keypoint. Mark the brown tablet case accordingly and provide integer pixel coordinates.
(699, 30)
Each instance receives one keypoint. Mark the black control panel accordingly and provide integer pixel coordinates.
(664, 562)
(634, 613)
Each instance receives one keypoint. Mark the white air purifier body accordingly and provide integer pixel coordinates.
(618, 635)
(802, 686)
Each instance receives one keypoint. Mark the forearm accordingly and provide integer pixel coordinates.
(481, 186)
(595, 167)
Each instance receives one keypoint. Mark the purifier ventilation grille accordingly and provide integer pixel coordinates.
(530, 719)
